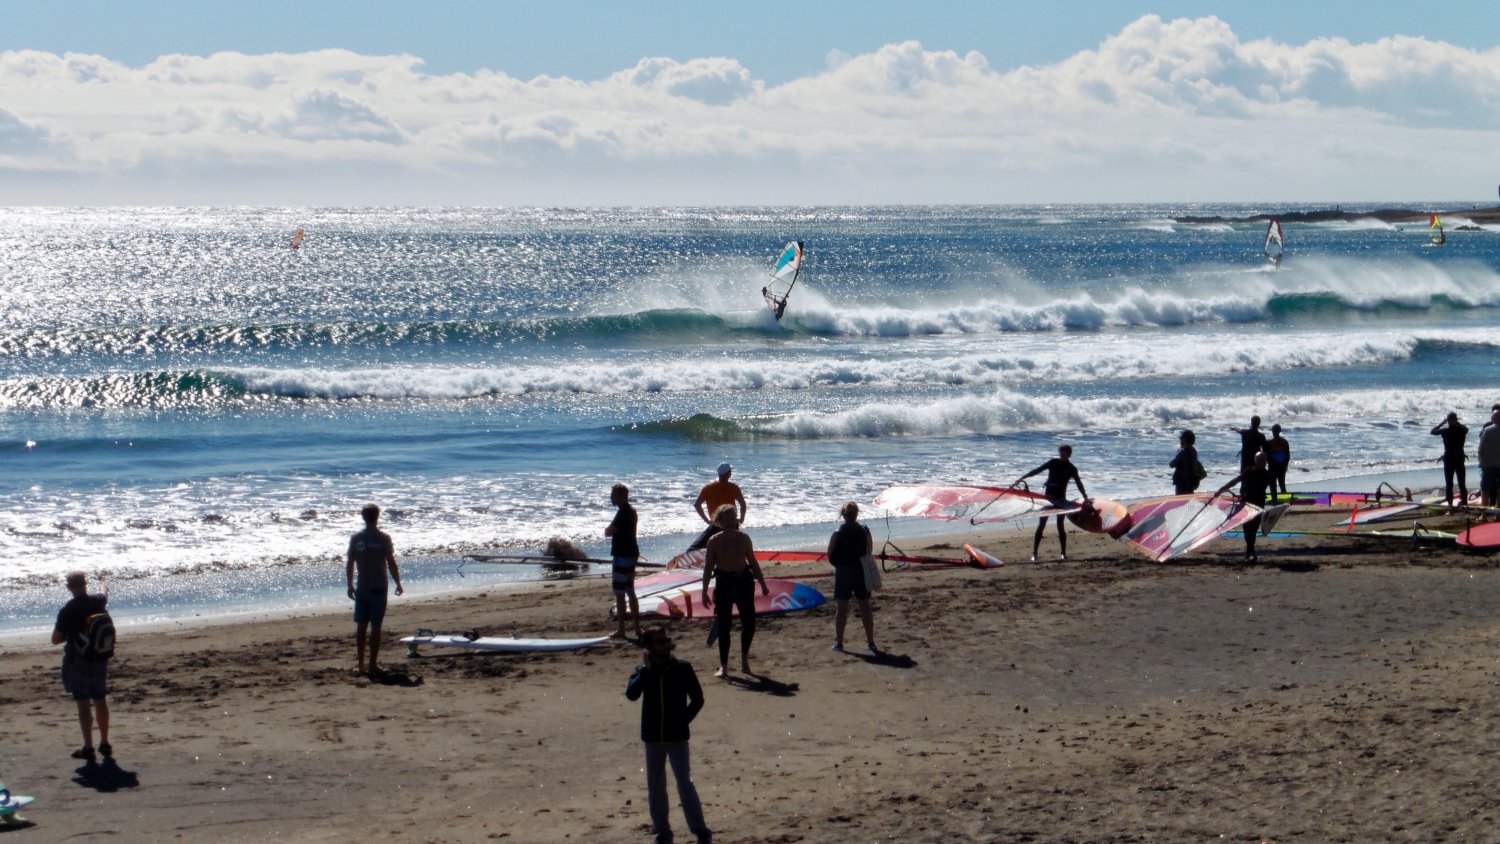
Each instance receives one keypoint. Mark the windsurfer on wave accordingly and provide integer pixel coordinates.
(1060, 470)
(780, 307)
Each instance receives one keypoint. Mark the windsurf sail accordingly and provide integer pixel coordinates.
(1164, 528)
(1273, 246)
(978, 504)
(783, 278)
(1435, 231)
(297, 238)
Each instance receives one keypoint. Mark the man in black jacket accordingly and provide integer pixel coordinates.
(673, 699)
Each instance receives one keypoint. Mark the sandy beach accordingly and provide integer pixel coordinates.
(1342, 690)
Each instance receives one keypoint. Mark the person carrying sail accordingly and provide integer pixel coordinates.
(1060, 470)
(1254, 482)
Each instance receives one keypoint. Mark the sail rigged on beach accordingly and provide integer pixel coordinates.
(1435, 231)
(783, 278)
(1273, 246)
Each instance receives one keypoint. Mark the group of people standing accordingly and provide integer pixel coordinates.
(1455, 459)
(668, 687)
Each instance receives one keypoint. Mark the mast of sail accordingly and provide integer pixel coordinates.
(1435, 231)
(783, 278)
(1273, 246)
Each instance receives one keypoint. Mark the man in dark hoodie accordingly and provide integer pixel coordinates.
(673, 699)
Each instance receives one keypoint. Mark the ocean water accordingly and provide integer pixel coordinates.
(195, 410)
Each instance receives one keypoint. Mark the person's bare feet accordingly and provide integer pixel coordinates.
(722, 672)
(620, 634)
(745, 666)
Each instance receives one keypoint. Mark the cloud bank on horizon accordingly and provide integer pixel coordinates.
(1173, 111)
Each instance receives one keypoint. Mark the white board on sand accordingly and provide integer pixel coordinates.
(501, 644)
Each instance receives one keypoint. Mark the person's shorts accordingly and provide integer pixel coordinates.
(369, 607)
(849, 582)
(1489, 483)
(86, 679)
(622, 575)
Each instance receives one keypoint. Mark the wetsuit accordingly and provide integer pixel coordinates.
(1278, 458)
(1454, 435)
(734, 589)
(1252, 442)
(623, 549)
(1253, 486)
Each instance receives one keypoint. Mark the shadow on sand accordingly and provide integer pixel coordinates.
(885, 658)
(762, 684)
(396, 677)
(106, 776)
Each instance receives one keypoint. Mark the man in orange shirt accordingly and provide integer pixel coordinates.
(716, 494)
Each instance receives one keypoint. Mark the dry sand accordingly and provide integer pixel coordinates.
(1339, 691)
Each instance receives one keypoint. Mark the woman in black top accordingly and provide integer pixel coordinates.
(1185, 465)
(845, 548)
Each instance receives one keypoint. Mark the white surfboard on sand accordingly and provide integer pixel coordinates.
(498, 644)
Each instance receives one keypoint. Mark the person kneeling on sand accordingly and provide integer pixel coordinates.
(845, 548)
(673, 699)
(731, 557)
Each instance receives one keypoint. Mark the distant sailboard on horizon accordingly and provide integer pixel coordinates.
(297, 239)
(1435, 231)
(783, 278)
(1274, 247)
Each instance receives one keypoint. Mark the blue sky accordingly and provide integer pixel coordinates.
(775, 39)
(724, 103)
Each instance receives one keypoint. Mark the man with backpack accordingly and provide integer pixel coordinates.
(87, 635)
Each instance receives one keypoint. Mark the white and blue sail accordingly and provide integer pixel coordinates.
(784, 275)
(1274, 247)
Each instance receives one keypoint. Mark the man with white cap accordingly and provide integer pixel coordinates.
(716, 494)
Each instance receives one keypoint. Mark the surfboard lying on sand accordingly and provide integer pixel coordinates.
(1164, 528)
(500, 644)
(981, 559)
(1484, 537)
(686, 601)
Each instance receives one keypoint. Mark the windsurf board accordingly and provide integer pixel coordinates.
(499, 644)
(687, 601)
(982, 560)
(1485, 537)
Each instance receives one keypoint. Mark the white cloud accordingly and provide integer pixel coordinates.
(1162, 110)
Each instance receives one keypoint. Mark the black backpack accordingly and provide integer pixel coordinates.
(96, 642)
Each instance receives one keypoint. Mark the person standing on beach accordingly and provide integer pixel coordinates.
(1252, 442)
(372, 554)
(1489, 461)
(1185, 465)
(624, 554)
(848, 544)
(711, 497)
(1254, 482)
(731, 564)
(1278, 459)
(1454, 434)
(1060, 470)
(673, 698)
(84, 677)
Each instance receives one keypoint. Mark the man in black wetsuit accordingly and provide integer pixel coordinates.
(1252, 442)
(1254, 482)
(1060, 470)
(1454, 434)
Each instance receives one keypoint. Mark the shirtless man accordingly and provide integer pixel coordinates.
(731, 555)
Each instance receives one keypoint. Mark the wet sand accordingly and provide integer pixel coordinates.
(1341, 690)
